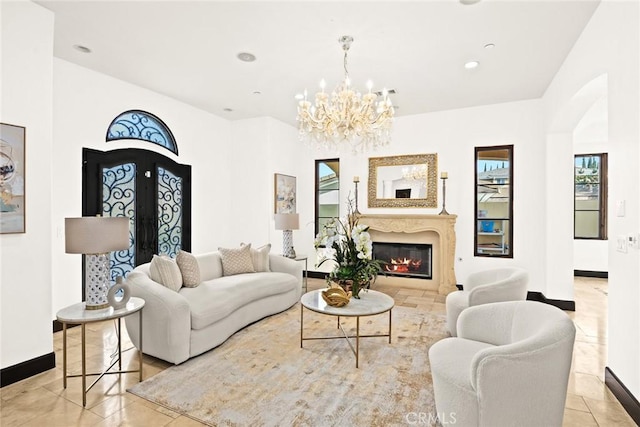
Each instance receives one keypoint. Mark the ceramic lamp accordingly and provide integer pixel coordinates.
(96, 237)
(287, 222)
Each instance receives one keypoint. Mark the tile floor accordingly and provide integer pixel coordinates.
(42, 401)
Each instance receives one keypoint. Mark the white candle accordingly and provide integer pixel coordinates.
(444, 175)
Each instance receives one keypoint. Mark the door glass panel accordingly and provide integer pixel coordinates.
(118, 199)
(169, 212)
(494, 196)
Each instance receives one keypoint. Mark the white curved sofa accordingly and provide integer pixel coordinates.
(183, 324)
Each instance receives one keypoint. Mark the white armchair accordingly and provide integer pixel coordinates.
(499, 284)
(509, 366)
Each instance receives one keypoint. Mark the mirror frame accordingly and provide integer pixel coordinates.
(431, 201)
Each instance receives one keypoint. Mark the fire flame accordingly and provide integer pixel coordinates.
(403, 265)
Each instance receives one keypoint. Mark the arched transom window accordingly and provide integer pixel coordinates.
(138, 124)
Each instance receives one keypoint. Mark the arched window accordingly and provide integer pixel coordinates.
(138, 124)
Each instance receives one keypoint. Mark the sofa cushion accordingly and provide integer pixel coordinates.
(236, 261)
(215, 299)
(165, 271)
(210, 264)
(260, 257)
(188, 268)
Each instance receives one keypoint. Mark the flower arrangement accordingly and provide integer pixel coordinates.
(349, 245)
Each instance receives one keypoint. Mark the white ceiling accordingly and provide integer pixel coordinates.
(187, 49)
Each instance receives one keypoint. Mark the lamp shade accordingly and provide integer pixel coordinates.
(96, 234)
(287, 221)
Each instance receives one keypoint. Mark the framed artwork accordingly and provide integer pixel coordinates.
(284, 193)
(12, 195)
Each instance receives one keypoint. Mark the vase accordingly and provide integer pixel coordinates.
(352, 286)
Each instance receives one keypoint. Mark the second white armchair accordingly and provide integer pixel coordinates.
(495, 285)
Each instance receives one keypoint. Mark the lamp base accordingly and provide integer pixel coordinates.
(96, 281)
(287, 244)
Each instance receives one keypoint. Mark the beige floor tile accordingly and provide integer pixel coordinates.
(573, 418)
(136, 414)
(609, 413)
(576, 402)
(184, 422)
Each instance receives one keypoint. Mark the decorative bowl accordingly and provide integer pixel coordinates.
(336, 297)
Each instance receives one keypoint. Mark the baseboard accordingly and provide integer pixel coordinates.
(561, 304)
(587, 273)
(27, 369)
(317, 274)
(57, 326)
(622, 393)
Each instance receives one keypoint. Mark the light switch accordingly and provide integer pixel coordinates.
(620, 205)
(621, 244)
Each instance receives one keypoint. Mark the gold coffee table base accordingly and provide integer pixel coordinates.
(377, 303)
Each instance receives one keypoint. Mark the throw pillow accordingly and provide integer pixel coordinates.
(236, 261)
(165, 271)
(189, 269)
(260, 257)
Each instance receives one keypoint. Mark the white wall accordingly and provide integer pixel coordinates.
(610, 44)
(26, 97)
(85, 102)
(453, 135)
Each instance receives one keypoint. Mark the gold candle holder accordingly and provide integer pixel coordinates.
(444, 176)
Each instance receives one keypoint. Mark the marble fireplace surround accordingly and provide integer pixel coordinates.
(438, 230)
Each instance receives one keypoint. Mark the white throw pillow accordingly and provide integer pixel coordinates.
(189, 269)
(165, 271)
(260, 257)
(236, 261)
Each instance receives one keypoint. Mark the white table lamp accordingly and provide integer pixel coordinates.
(287, 222)
(96, 237)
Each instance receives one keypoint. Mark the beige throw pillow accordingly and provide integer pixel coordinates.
(189, 269)
(236, 261)
(165, 271)
(260, 257)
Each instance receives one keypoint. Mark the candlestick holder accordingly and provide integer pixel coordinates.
(444, 196)
(355, 181)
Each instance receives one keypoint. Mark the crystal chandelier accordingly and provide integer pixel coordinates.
(345, 115)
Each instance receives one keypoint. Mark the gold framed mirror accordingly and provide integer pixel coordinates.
(409, 181)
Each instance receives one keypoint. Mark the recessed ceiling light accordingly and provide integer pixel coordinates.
(469, 2)
(299, 96)
(227, 110)
(81, 48)
(257, 92)
(246, 57)
(471, 65)
(489, 46)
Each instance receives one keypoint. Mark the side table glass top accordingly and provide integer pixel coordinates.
(370, 303)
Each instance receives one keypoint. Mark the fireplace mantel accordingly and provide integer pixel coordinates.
(442, 225)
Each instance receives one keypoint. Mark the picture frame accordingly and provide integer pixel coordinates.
(408, 181)
(284, 193)
(12, 179)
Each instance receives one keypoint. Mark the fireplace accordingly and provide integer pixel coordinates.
(438, 231)
(404, 259)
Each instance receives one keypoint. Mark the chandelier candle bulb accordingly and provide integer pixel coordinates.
(444, 175)
(356, 179)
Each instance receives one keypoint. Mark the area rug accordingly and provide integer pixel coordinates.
(261, 377)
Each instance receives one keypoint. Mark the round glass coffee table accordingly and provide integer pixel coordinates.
(370, 303)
